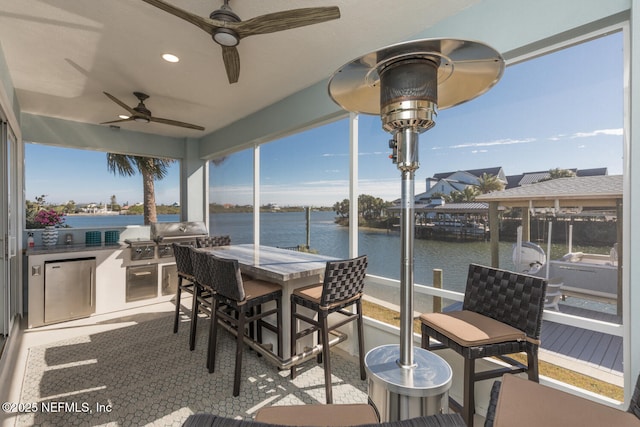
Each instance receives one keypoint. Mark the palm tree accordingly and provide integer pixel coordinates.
(150, 168)
(559, 173)
(488, 183)
(467, 195)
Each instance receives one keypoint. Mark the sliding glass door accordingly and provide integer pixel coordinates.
(9, 296)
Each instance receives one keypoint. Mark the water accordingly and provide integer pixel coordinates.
(285, 229)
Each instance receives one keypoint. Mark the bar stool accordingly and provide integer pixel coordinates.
(240, 303)
(341, 288)
(202, 292)
(186, 279)
(501, 315)
(213, 241)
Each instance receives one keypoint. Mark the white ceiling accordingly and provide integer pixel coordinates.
(62, 54)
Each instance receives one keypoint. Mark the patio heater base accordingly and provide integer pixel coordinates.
(400, 393)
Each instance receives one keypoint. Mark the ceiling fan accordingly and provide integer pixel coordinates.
(141, 113)
(227, 28)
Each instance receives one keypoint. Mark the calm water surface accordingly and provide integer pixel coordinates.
(289, 229)
(286, 229)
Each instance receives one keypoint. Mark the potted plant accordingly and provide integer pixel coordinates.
(49, 219)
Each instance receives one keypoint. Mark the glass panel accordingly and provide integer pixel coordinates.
(231, 197)
(559, 113)
(104, 199)
(306, 170)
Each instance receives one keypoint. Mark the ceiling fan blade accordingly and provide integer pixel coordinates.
(131, 111)
(231, 63)
(285, 20)
(175, 123)
(208, 25)
(117, 121)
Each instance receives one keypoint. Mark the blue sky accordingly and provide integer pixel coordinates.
(563, 109)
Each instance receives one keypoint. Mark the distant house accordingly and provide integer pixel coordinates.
(533, 177)
(447, 182)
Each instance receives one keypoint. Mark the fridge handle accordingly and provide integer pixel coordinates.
(92, 286)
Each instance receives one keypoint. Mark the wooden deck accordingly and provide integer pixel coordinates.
(599, 350)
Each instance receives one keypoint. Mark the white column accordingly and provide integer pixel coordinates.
(353, 185)
(631, 207)
(256, 194)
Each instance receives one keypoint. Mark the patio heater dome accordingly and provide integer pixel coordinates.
(405, 84)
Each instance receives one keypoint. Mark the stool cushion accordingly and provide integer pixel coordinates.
(469, 328)
(311, 292)
(257, 288)
(318, 415)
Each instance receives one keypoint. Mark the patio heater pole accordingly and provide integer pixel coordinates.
(407, 140)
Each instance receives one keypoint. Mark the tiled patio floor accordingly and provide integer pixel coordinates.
(132, 370)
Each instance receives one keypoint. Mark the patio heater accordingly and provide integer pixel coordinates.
(405, 84)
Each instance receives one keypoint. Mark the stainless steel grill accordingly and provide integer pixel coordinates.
(141, 249)
(163, 235)
(167, 233)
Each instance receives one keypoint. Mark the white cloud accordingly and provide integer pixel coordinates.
(310, 193)
(499, 142)
(610, 132)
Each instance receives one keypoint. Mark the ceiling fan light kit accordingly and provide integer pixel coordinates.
(226, 37)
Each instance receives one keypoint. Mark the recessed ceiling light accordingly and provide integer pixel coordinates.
(170, 57)
(123, 116)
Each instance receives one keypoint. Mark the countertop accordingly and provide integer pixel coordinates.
(58, 249)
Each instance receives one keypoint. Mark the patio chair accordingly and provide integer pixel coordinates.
(341, 288)
(240, 303)
(186, 279)
(501, 315)
(202, 293)
(515, 401)
(212, 241)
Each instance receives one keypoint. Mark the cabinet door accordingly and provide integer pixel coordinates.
(142, 282)
(68, 289)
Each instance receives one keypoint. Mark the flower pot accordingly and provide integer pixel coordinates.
(50, 236)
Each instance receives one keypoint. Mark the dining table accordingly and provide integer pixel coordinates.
(289, 268)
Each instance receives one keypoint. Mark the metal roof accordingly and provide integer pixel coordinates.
(588, 191)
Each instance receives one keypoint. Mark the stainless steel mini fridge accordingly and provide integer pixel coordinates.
(69, 289)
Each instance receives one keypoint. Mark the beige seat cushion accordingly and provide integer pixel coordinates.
(469, 328)
(526, 403)
(257, 288)
(311, 292)
(318, 415)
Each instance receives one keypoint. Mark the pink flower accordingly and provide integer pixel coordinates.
(49, 217)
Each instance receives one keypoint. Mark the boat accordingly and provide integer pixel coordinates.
(452, 228)
(528, 257)
(590, 276)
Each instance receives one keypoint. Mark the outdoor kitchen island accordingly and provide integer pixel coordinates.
(119, 277)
